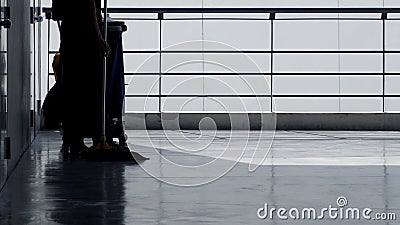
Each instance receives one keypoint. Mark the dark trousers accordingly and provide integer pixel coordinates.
(81, 94)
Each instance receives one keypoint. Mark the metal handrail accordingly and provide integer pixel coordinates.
(248, 10)
(272, 16)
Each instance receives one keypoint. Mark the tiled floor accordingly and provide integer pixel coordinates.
(303, 169)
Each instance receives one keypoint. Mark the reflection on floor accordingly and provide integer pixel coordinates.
(302, 170)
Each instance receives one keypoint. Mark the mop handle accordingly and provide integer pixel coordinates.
(103, 103)
(105, 19)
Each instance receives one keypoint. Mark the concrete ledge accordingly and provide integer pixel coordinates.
(256, 121)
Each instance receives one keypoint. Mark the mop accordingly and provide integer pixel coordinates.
(102, 150)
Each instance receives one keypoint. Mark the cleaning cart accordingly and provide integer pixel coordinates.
(115, 83)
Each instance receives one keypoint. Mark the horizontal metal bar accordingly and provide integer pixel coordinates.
(258, 52)
(264, 19)
(258, 74)
(253, 19)
(254, 10)
(248, 10)
(263, 96)
(266, 74)
(196, 96)
(262, 51)
(335, 19)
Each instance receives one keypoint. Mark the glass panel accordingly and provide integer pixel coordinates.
(354, 105)
(392, 35)
(46, 2)
(255, 35)
(360, 35)
(52, 81)
(51, 56)
(392, 105)
(324, 84)
(141, 63)
(181, 63)
(237, 85)
(142, 85)
(180, 104)
(305, 35)
(306, 63)
(133, 104)
(393, 15)
(237, 63)
(54, 36)
(309, 105)
(368, 63)
(360, 3)
(237, 34)
(182, 85)
(392, 63)
(142, 35)
(244, 104)
(44, 61)
(392, 84)
(360, 85)
(392, 3)
(177, 34)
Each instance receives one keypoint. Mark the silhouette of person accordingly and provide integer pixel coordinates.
(82, 50)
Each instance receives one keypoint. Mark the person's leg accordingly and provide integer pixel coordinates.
(72, 135)
(93, 96)
(81, 85)
(72, 143)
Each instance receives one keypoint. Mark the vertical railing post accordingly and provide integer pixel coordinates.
(160, 18)
(384, 17)
(272, 18)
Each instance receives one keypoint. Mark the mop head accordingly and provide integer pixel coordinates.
(103, 151)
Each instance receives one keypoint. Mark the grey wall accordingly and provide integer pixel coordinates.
(18, 80)
(281, 121)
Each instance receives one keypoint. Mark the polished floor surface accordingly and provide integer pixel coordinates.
(196, 177)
